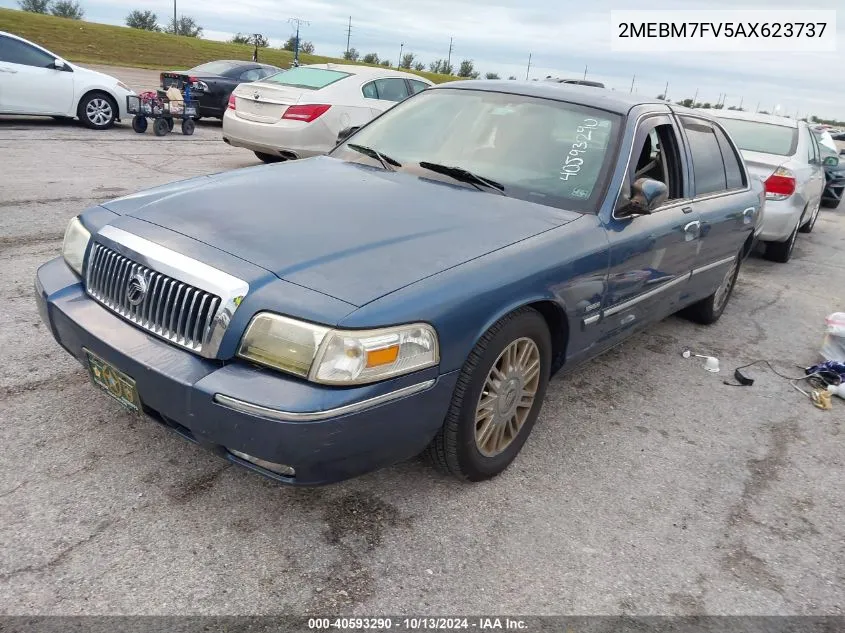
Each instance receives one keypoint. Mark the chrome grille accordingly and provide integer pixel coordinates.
(171, 309)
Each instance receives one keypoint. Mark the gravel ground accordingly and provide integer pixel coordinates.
(647, 487)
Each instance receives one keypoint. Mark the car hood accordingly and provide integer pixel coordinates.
(102, 78)
(348, 231)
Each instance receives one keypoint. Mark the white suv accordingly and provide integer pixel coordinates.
(34, 81)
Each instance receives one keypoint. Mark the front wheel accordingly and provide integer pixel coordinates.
(709, 309)
(497, 399)
(161, 127)
(97, 111)
(188, 127)
(139, 123)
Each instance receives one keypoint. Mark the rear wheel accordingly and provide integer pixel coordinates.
(188, 127)
(497, 399)
(781, 251)
(808, 227)
(268, 158)
(139, 123)
(161, 127)
(709, 309)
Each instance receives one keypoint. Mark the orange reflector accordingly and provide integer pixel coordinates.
(384, 356)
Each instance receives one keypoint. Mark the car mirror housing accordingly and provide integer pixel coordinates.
(832, 161)
(646, 196)
(60, 64)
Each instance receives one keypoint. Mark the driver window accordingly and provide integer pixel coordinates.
(658, 158)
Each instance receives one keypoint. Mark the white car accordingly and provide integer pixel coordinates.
(34, 81)
(299, 113)
(785, 155)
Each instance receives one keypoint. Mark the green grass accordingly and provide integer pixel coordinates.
(92, 43)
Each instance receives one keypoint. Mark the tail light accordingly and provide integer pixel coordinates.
(232, 102)
(780, 185)
(306, 113)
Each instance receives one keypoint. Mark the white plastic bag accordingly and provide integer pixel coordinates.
(833, 345)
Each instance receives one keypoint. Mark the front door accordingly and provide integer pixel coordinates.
(651, 256)
(28, 82)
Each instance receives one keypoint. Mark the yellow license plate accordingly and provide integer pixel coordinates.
(114, 382)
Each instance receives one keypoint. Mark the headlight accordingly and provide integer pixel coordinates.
(338, 357)
(74, 245)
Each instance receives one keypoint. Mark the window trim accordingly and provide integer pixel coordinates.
(737, 155)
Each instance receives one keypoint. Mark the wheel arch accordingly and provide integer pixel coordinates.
(553, 312)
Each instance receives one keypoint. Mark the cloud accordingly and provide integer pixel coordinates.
(562, 38)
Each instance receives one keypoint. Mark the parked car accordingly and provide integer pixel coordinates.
(785, 154)
(34, 81)
(212, 83)
(299, 113)
(412, 291)
(834, 168)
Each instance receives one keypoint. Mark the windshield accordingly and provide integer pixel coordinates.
(212, 68)
(767, 138)
(305, 77)
(544, 151)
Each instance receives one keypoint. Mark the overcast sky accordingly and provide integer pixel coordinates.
(562, 36)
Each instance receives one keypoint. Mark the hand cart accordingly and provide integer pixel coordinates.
(162, 110)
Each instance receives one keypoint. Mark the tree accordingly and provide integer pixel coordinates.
(736, 108)
(144, 20)
(419, 66)
(466, 69)
(306, 47)
(441, 67)
(35, 6)
(254, 39)
(763, 112)
(67, 9)
(370, 58)
(706, 105)
(512, 78)
(718, 106)
(407, 60)
(186, 26)
(492, 76)
(385, 62)
(351, 55)
(661, 97)
(687, 103)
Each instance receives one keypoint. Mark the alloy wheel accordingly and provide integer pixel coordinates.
(724, 289)
(507, 397)
(99, 111)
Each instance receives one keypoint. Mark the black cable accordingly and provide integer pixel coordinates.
(774, 371)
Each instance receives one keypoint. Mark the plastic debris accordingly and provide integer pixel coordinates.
(711, 363)
(833, 345)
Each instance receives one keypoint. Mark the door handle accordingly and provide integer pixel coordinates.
(692, 230)
(7, 70)
(748, 215)
(686, 209)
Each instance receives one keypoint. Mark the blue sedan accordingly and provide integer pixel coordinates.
(414, 290)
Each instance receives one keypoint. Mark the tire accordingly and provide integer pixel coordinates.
(709, 309)
(781, 252)
(139, 123)
(831, 204)
(808, 227)
(457, 448)
(161, 127)
(97, 110)
(188, 127)
(170, 124)
(268, 158)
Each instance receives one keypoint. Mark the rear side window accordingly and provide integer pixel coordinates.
(251, 75)
(391, 89)
(734, 173)
(17, 52)
(369, 90)
(308, 78)
(753, 136)
(417, 86)
(708, 167)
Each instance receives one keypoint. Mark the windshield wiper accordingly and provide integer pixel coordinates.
(372, 153)
(463, 175)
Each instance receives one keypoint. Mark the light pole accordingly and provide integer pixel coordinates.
(174, 18)
(527, 70)
(401, 48)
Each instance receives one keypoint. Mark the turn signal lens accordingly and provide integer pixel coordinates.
(232, 104)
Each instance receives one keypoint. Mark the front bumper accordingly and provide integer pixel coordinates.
(325, 434)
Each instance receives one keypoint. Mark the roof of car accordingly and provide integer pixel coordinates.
(752, 116)
(367, 71)
(602, 98)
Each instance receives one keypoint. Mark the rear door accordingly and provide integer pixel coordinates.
(29, 82)
(726, 206)
(651, 256)
(383, 94)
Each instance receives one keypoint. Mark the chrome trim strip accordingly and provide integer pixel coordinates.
(620, 307)
(721, 262)
(311, 416)
(188, 271)
(592, 319)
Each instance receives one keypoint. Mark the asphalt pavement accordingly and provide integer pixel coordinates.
(647, 487)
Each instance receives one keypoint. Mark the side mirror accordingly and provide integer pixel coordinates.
(842, 152)
(832, 161)
(59, 64)
(646, 196)
(345, 133)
